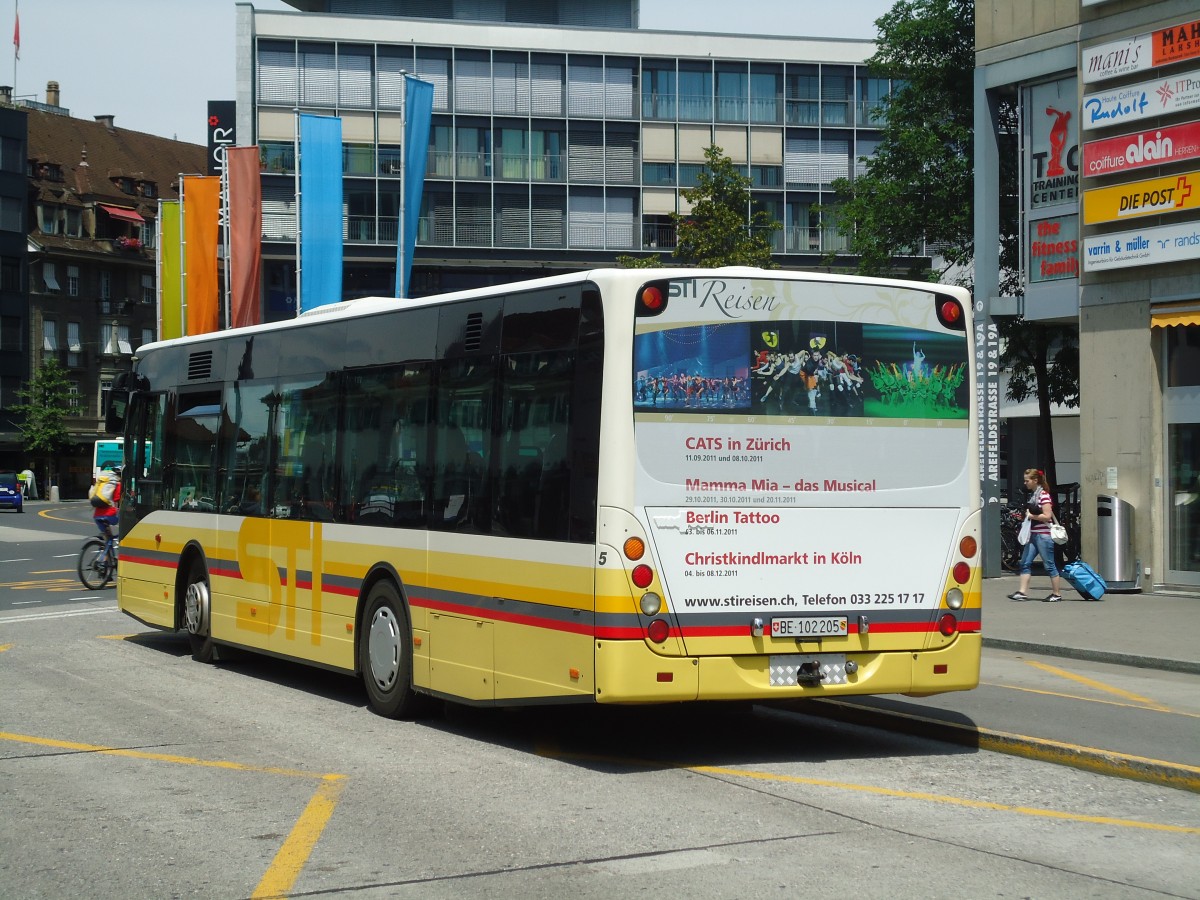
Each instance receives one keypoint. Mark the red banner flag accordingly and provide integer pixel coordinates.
(17, 34)
(201, 217)
(245, 235)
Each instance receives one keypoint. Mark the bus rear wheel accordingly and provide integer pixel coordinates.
(385, 654)
(197, 613)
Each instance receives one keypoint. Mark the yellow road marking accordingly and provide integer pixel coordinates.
(1098, 685)
(4, 647)
(1028, 690)
(48, 584)
(118, 637)
(47, 514)
(53, 572)
(285, 868)
(880, 791)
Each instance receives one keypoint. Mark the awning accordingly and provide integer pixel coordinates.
(1166, 318)
(125, 215)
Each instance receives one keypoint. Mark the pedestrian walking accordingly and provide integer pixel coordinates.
(1039, 512)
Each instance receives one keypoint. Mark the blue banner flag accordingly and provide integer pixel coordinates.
(320, 162)
(418, 113)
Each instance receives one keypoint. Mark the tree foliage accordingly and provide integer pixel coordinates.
(919, 186)
(919, 183)
(43, 410)
(723, 228)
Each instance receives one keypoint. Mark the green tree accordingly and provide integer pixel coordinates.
(42, 412)
(919, 183)
(723, 228)
(919, 186)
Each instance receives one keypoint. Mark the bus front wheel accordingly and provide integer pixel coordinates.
(385, 653)
(197, 615)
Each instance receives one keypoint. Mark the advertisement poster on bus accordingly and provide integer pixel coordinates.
(789, 433)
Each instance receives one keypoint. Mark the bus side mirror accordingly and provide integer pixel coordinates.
(114, 415)
(118, 402)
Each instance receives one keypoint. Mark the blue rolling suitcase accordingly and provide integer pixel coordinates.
(1085, 580)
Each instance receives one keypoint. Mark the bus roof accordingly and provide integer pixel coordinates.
(365, 306)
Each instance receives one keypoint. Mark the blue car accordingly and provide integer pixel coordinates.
(10, 492)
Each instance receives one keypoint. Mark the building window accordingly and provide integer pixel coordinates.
(148, 295)
(105, 285)
(147, 336)
(12, 156)
(10, 274)
(73, 395)
(74, 346)
(73, 222)
(50, 336)
(72, 281)
(10, 214)
(105, 389)
(50, 277)
(114, 340)
(10, 334)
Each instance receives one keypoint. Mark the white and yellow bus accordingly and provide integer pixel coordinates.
(620, 486)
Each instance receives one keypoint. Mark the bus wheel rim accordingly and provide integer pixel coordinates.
(384, 648)
(195, 604)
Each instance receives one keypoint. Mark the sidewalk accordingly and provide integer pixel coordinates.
(1154, 631)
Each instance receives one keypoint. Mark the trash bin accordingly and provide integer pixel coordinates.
(1114, 551)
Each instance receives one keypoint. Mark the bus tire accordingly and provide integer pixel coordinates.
(385, 654)
(197, 612)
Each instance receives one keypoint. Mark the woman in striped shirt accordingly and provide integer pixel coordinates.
(1040, 513)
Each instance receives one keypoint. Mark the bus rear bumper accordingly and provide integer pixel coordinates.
(628, 672)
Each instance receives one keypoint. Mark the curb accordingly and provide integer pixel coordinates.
(1092, 759)
(1188, 667)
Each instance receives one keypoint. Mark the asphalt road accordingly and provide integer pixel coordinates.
(128, 770)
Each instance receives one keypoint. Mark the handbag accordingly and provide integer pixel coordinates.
(1023, 533)
(1058, 533)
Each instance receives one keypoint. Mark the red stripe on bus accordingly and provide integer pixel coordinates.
(501, 616)
(127, 556)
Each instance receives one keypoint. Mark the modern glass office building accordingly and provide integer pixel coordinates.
(562, 135)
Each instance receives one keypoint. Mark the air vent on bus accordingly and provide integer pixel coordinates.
(473, 339)
(200, 365)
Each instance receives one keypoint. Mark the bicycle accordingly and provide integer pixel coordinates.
(98, 561)
(1011, 518)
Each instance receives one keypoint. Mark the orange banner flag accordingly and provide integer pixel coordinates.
(245, 235)
(201, 220)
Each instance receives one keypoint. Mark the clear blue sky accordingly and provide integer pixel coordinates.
(155, 64)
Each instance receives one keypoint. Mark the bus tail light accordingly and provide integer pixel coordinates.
(947, 625)
(652, 299)
(968, 547)
(651, 604)
(635, 548)
(950, 312)
(961, 572)
(954, 598)
(643, 575)
(658, 630)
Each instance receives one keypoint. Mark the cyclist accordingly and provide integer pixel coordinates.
(104, 511)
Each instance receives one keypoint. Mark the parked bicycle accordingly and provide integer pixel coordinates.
(98, 561)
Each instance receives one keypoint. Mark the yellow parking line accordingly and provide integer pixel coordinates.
(1028, 690)
(1098, 685)
(872, 789)
(4, 647)
(289, 861)
(943, 798)
(297, 847)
